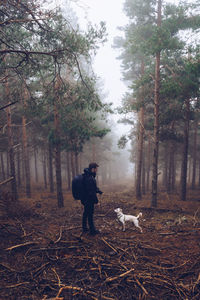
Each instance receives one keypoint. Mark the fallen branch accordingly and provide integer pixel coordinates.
(109, 245)
(142, 287)
(109, 279)
(16, 285)
(20, 245)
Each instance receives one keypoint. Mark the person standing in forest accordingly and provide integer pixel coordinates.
(89, 198)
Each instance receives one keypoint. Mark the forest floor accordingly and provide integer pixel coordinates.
(43, 254)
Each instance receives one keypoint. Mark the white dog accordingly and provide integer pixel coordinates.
(123, 218)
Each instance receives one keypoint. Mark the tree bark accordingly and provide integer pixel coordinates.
(44, 169)
(19, 167)
(76, 163)
(68, 172)
(35, 164)
(11, 155)
(57, 147)
(26, 158)
(143, 173)
(173, 183)
(25, 148)
(72, 165)
(148, 164)
(2, 168)
(199, 172)
(156, 119)
(11, 161)
(140, 154)
(140, 144)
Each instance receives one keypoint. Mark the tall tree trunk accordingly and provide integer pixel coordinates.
(140, 154)
(72, 165)
(26, 158)
(173, 182)
(76, 163)
(148, 164)
(57, 147)
(10, 148)
(194, 155)
(19, 167)
(68, 172)
(35, 164)
(44, 168)
(51, 183)
(11, 156)
(2, 168)
(199, 172)
(156, 119)
(7, 164)
(25, 148)
(144, 173)
(140, 143)
(80, 162)
(183, 181)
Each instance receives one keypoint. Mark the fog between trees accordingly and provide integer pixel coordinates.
(55, 119)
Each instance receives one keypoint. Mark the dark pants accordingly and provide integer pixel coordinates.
(88, 216)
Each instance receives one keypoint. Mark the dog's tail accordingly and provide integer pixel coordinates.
(139, 215)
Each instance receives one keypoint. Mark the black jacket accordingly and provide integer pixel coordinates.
(90, 187)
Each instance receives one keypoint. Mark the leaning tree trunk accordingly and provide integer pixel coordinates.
(58, 147)
(183, 187)
(156, 120)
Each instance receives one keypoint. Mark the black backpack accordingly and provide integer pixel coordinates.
(78, 187)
